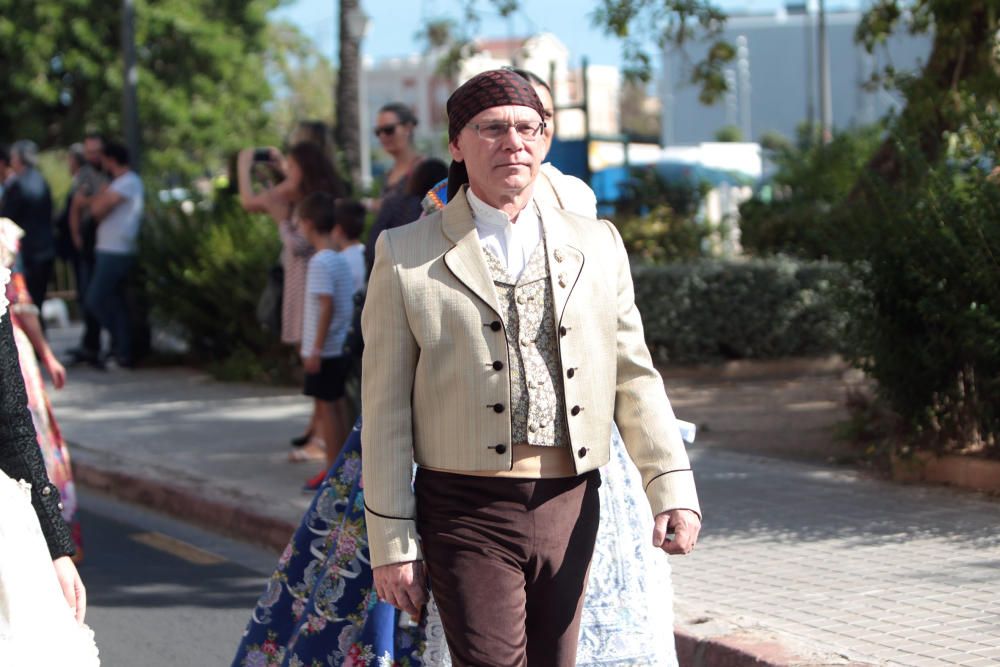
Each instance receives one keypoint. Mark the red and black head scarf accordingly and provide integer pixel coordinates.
(494, 88)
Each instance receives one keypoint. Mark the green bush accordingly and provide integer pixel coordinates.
(925, 317)
(205, 272)
(717, 310)
(792, 214)
(662, 236)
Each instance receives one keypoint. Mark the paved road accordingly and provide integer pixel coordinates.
(886, 574)
(161, 593)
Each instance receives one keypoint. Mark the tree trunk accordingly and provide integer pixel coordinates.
(962, 51)
(348, 113)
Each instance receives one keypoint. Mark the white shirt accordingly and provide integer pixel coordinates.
(117, 232)
(512, 243)
(355, 256)
(328, 274)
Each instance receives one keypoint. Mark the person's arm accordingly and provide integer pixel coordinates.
(273, 200)
(314, 357)
(647, 423)
(75, 213)
(20, 457)
(32, 327)
(388, 368)
(104, 202)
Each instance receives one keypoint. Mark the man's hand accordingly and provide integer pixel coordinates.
(403, 586)
(684, 524)
(72, 586)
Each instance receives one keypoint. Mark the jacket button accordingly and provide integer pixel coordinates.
(501, 449)
(562, 331)
(582, 452)
(498, 365)
(495, 325)
(575, 411)
(47, 491)
(570, 373)
(498, 408)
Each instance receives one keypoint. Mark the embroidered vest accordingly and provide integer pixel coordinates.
(537, 405)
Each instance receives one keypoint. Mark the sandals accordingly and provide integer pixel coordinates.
(314, 451)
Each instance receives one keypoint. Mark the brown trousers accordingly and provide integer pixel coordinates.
(507, 561)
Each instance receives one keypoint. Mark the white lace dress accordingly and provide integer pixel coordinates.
(628, 616)
(36, 625)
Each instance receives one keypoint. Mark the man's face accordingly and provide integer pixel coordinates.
(499, 168)
(92, 152)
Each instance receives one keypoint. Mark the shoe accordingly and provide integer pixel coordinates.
(301, 440)
(313, 483)
(80, 355)
(314, 451)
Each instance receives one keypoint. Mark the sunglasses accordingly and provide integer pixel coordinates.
(387, 130)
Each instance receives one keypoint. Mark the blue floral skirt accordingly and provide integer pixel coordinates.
(320, 606)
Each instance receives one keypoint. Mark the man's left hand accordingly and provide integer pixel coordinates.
(684, 524)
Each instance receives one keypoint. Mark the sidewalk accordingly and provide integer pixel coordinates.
(799, 563)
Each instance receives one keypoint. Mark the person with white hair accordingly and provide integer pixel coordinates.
(27, 200)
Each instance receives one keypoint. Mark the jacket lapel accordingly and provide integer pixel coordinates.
(565, 257)
(465, 260)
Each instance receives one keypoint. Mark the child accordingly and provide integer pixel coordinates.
(330, 288)
(350, 217)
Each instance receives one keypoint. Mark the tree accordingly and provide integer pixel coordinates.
(201, 84)
(348, 111)
(729, 134)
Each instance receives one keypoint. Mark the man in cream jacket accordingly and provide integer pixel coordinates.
(502, 340)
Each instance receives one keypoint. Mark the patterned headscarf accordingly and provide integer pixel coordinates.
(493, 88)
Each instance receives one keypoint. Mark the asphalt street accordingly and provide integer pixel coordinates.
(162, 593)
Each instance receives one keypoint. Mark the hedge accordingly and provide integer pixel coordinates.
(716, 310)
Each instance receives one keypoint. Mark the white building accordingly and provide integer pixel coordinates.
(775, 81)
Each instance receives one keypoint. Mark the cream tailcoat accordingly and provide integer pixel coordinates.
(430, 392)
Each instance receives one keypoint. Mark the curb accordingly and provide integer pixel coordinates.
(229, 516)
(218, 515)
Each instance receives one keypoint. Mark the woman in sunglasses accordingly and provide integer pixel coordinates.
(394, 128)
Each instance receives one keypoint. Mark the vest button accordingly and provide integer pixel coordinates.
(562, 331)
(570, 373)
(498, 408)
(495, 325)
(498, 365)
(582, 452)
(501, 449)
(575, 411)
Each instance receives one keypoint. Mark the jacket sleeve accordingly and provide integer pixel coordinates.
(388, 368)
(642, 409)
(20, 457)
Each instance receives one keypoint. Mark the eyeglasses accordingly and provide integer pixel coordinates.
(387, 130)
(528, 130)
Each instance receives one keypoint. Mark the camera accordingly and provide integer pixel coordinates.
(262, 155)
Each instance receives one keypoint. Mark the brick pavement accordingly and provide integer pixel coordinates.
(877, 572)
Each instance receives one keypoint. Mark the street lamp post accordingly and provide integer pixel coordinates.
(130, 111)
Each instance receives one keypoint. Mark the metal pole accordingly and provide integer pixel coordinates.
(810, 71)
(130, 110)
(825, 99)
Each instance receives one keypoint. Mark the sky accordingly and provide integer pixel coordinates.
(393, 23)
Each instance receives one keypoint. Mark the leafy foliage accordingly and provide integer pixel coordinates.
(717, 310)
(925, 317)
(205, 271)
(201, 84)
(793, 214)
(303, 79)
(669, 24)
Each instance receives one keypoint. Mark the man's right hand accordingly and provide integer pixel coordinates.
(402, 585)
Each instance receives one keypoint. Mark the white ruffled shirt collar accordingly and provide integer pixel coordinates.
(511, 242)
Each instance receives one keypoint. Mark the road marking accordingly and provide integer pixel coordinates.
(175, 547)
